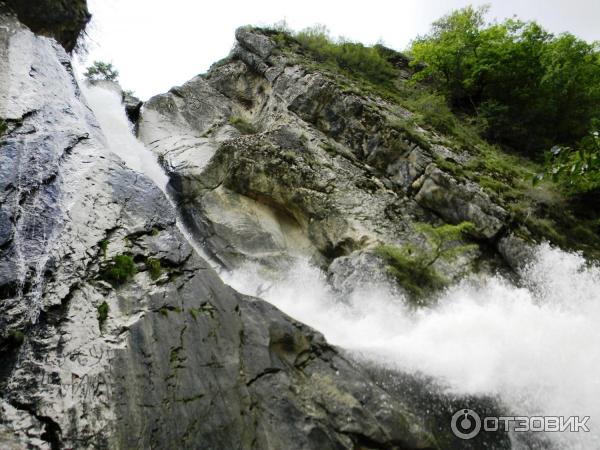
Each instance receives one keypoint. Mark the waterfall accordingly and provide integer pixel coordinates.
(118, 131)
(536, 347)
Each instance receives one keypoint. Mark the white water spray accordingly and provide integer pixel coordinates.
(110, 113)
(537, 347)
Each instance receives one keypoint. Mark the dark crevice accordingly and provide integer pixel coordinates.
(267, 371)
(52, 432)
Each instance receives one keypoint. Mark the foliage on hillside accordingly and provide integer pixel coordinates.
(577, 169)
(351, 56)
(547, 210)
(532, 89)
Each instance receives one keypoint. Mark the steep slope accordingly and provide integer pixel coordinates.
(274, 160)
(99, 351)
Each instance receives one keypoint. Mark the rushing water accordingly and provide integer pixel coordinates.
(110, 113)
(536, 347)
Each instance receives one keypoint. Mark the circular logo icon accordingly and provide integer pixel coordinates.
(466, 424)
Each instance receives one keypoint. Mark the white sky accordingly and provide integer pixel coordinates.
(157, 44)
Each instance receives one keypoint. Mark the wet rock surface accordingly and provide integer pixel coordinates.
(167, 359)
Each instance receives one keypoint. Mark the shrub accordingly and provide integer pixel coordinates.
(104, 246)
(119, 269)
(577, 169)
(413, 266)
(417, 279)
(350, 56)
(102, 313)
(154, 268)
(242, 125)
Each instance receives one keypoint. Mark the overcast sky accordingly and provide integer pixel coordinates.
(157, 44)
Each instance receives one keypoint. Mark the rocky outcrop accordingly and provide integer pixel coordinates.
(459, 202)
(166, 355)
(275, 160)
(64, 20)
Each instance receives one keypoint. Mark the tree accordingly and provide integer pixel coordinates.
(578, 169)
(101, 71)
(532, 89)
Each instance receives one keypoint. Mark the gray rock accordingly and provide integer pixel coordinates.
(455, 202)
(179, 360)
(516, 251)
(256, 43)
(64, 21)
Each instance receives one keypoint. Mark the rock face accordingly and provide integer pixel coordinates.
(273, 160)
(64, 20)
(170, 357)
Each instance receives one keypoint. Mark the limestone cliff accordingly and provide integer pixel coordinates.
(270, 161)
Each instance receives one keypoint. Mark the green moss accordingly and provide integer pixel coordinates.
(417, 279)
(164, 311)
(408, 130)
(104, 246)
(242, 125)
(155, 231)
(413, 266)
(119, 270)
(3, 127)
(13, 340)
(154, 268)
(102, 313)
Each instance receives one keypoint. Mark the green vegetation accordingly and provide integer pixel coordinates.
(413, 266)
(242, 125)
(154, 268)
(3, 127)
(119, 269)
(578, 170)
(350, 56)
(102, 313)
(13, 340)
(529, 88)
(104, 247)
(99, 71)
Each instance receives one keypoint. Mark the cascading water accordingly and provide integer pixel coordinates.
(110, 113)
(536, 347)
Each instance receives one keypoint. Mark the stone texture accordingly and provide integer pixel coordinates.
(181, 360)
(63, 20)
(458, 202)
